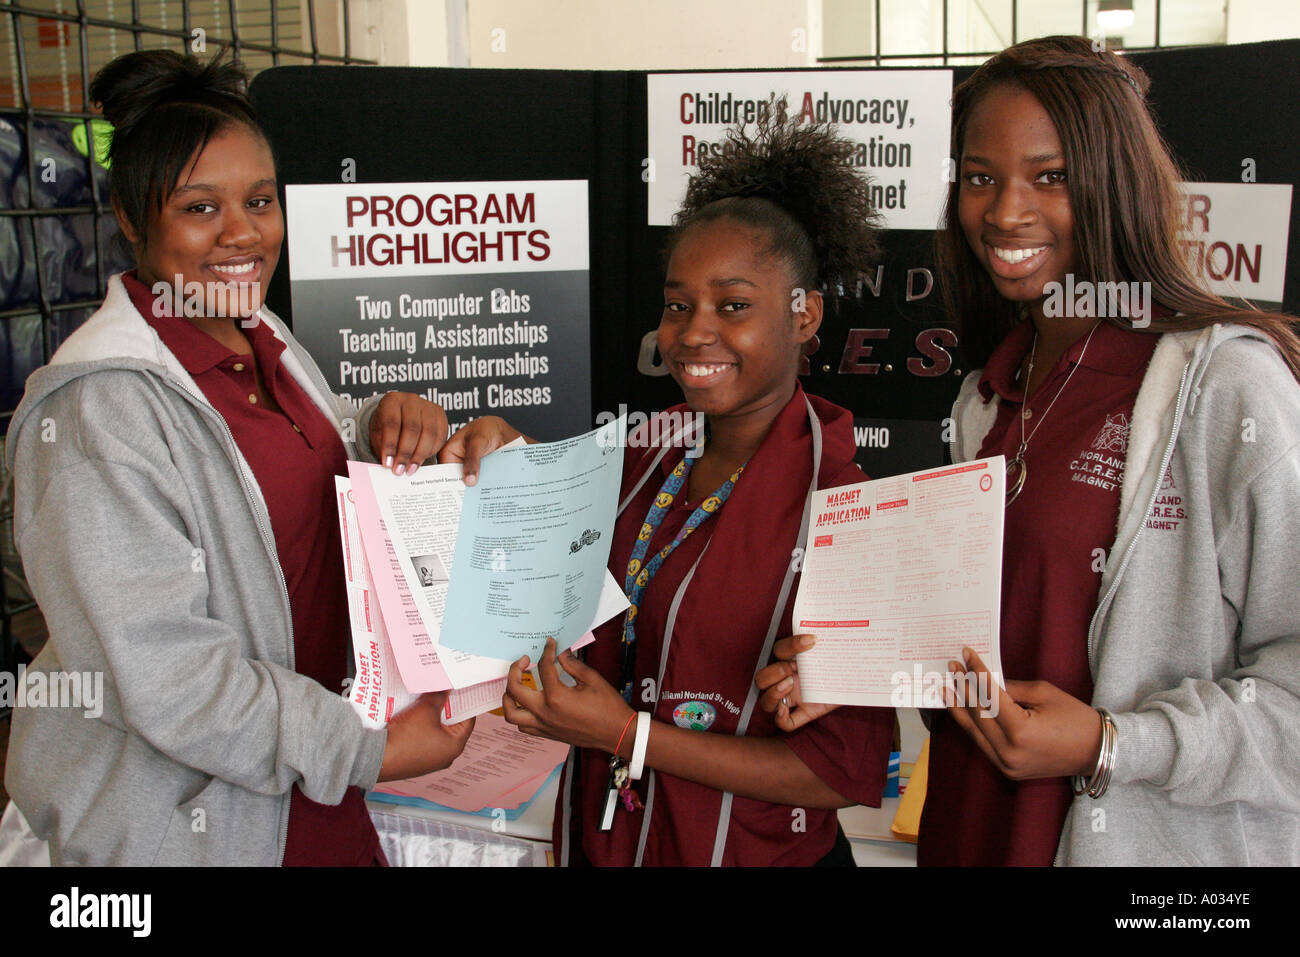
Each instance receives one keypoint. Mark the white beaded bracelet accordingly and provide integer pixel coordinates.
(639, 746)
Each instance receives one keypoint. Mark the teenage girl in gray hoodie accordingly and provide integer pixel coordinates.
(173, 506)
(1150, 620)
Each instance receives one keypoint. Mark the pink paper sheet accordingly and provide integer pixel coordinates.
(498, 764)
(416, 654)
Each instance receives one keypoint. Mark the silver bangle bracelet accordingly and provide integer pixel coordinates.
(1096, 786)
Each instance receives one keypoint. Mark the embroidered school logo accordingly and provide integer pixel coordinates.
(695, 715)
(1113, 436)
(1168, 512)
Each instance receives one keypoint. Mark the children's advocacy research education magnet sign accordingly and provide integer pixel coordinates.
(474, 295)
(899, 118)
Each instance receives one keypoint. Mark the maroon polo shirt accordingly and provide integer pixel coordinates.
(713, 661)
(1057, 534)
(294, 454)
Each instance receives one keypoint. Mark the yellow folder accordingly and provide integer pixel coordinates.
(907, 822)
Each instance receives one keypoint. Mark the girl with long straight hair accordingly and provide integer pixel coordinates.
(1150, 629)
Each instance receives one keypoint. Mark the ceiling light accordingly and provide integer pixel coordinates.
(1115, 14)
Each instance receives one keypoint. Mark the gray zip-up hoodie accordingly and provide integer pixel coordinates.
(1195, 644)
(147, 543)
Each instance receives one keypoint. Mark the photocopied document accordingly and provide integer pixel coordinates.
(898, 575)
(377, 691)
(414, 649)
(400, 537)
(533, 546)
(409, 525)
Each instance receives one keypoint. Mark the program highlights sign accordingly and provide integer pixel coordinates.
(474, 295)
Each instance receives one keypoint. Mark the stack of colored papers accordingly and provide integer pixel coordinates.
(448, 584)
(498, 776)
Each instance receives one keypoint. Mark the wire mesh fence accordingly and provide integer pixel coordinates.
(59, 241)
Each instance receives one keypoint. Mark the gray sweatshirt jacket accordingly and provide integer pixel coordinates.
(147, 543)
(1195, 644)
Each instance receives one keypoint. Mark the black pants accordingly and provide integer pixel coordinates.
(840, 854)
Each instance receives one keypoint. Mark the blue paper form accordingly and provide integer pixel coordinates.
(533, 544)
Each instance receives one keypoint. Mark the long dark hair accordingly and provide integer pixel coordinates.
(164, 107)
(1124, 193)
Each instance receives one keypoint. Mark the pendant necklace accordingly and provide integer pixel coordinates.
(1017, 471)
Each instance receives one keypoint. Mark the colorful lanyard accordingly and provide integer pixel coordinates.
(638, 574)
(571, 766)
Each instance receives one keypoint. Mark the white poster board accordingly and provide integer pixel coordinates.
(899, 118)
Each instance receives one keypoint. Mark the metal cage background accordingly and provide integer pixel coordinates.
(52, 50)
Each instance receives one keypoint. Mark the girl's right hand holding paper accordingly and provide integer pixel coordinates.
(418, 741)
(468, 445)
(779, 684)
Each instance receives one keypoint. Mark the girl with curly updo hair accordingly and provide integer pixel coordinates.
(671, 762)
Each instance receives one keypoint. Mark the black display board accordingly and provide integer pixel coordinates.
(1216, 106)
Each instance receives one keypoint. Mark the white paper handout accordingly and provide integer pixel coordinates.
(376, 689)
(414, 521)
(396, 605)
(898, 575)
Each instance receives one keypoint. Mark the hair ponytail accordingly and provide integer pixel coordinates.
(794, 181)
(164, 108)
